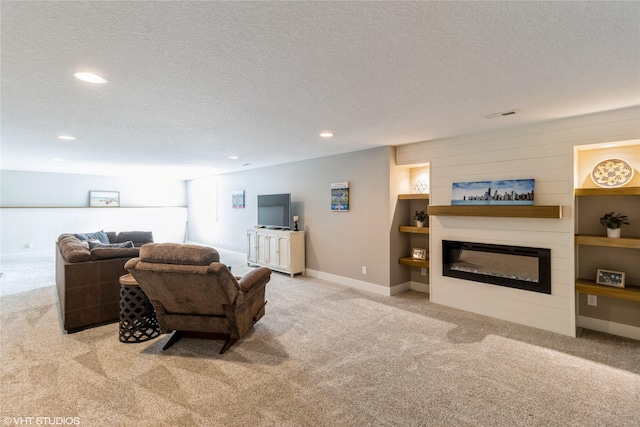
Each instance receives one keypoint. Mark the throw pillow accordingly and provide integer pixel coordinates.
(98, 235)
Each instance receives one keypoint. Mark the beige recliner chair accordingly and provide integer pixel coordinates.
(196, 295)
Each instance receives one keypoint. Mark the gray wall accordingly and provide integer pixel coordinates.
(337, 243)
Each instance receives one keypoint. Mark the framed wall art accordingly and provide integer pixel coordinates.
(104, 199)
(340, 197)
(501, 192)
(237, 199)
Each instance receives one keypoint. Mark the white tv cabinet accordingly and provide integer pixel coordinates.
(280, 250)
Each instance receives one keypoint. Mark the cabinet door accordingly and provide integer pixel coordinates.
(272, 250)
(283, 260)
(252, 247)
(262, 254)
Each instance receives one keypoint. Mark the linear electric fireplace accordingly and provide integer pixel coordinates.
(512, 266)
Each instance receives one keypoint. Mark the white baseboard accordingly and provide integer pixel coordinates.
(613, 328)
(410, 286)
(419, 287)
(367, 286)
(352, 283)
(403, 287)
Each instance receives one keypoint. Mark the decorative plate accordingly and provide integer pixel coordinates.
(612, 173)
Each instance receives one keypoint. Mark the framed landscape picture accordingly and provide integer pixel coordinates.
(104, 199)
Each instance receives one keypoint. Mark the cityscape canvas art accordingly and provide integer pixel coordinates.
(501, 192)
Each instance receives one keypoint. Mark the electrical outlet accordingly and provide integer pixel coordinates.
(592, 300)
(364, 269)
(423, 272)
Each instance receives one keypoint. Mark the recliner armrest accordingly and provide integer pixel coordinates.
(257, 277)
(131, 264)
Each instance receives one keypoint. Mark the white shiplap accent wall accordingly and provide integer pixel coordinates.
(543, 152)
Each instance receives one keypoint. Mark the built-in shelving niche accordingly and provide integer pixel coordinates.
(586, 286)
(408, 260)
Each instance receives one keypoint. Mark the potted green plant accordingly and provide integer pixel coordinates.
(613, 221)
(420, 217)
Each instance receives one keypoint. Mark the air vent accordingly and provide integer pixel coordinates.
(502, 114)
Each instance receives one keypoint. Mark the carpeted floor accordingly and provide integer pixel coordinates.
(323, 355)
(20, 275)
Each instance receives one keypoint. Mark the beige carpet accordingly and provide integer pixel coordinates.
(323, 355)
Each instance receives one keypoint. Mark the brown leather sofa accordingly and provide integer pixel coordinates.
(87, 276)
(196, 295)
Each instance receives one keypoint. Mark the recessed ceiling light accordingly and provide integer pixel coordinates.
(234, 157)
(326, 134)
(57, 159)
(90, 77)
(66, 137)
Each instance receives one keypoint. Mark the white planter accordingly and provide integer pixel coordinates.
(419, 223)
(614, 233)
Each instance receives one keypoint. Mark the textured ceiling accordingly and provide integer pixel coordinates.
(192, 83)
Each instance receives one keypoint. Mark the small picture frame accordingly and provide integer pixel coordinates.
(237, 199)
(419, 253)
(610, 278)
(104, 199)
(340, 197)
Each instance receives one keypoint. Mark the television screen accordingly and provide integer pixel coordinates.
(273, 210)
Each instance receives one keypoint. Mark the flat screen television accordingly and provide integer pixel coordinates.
(274, 210)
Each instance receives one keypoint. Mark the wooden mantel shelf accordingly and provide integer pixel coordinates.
(514, 211)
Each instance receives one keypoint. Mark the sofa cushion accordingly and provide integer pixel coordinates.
(138, 238)
(108, 253)
(95, 244)
(99, 235)
(72, 249)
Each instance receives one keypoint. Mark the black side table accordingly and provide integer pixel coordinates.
(138, 320)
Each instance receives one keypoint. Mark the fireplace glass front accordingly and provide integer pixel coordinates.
(512, 266)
